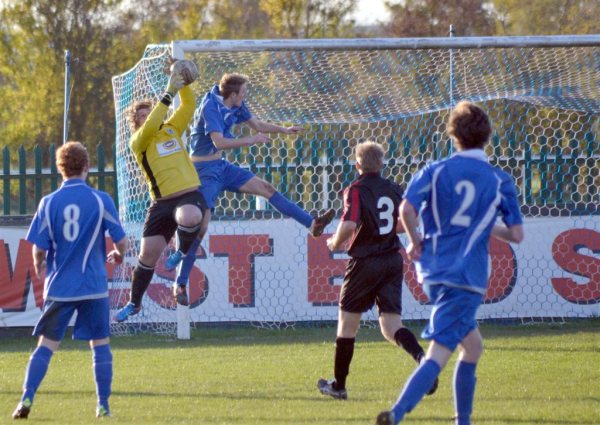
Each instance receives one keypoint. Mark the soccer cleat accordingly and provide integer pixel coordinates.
(326, 388)
(102, 412)
(22, 410)
(385, 418)
(174, 260)
(126, 312)
(320, 222)
(180, 294)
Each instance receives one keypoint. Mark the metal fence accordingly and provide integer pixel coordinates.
(29, 174)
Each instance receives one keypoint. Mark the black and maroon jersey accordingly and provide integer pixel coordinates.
(372, 202)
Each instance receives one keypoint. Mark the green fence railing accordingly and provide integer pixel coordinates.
(35, 175)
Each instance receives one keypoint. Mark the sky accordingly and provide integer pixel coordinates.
(370, 11)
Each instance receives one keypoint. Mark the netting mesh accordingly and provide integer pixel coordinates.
(257, 266)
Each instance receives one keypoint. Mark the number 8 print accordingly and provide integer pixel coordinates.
(71, 224)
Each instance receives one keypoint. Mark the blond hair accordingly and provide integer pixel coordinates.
(370, 156)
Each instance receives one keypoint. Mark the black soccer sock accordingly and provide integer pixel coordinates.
(142, 275)
(186, 237)
(407, 340)
(344, 350)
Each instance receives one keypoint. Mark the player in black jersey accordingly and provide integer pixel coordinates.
(374, 271)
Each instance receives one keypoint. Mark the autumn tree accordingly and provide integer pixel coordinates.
(310, 18)
(432, 18)
(546, 17)
(35, 35)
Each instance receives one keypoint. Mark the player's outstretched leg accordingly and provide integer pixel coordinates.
(183, 274)
(406, 339)
(415, 388)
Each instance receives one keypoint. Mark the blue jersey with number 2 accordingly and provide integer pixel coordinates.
(459, 199)
(70, 224)
(213, 116)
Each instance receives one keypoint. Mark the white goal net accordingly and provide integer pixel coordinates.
(543, 97)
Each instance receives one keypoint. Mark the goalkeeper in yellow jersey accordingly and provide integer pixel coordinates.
(177, 205)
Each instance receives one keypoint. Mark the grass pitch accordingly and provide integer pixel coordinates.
(530, 374)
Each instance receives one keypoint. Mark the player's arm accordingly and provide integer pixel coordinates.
(266, 127)
(118, 252)
(410, 221)
(343, 233)
(399, 226)
(142, 137)
(512, 228)
(508, 233)
(221, 142)
(39, 261)
(185, 112)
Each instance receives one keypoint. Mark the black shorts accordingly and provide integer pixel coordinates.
(373, 280)
(160, 218)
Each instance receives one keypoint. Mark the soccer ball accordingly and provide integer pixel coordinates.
(187, 69)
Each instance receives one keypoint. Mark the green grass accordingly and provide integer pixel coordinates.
(537, 374)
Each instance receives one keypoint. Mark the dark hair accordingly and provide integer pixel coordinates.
(132, 110)
(232, 83)
(71, 159)
(469, 126)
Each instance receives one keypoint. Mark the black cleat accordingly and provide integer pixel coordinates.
(320, 222)
(180, 294)
(22, 411)
(385, 418)
(326, 388)
(433, 388)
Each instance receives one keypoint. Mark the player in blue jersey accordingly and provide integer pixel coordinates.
(68, 237)
(220, 109)
(459, 199)
(374, 273)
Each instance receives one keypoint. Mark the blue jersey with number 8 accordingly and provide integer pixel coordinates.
(459, 199)
(70, 224)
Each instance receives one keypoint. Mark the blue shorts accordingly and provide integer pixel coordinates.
(220, 175)
(452, 316)
(92, 322)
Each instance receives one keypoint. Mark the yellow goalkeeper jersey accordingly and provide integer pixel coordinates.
(160, 152)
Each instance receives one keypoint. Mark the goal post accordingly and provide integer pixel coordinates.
(255, 266)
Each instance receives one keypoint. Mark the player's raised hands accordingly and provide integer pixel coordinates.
(176, 82)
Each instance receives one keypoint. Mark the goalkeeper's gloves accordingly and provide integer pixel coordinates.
(175, 83)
